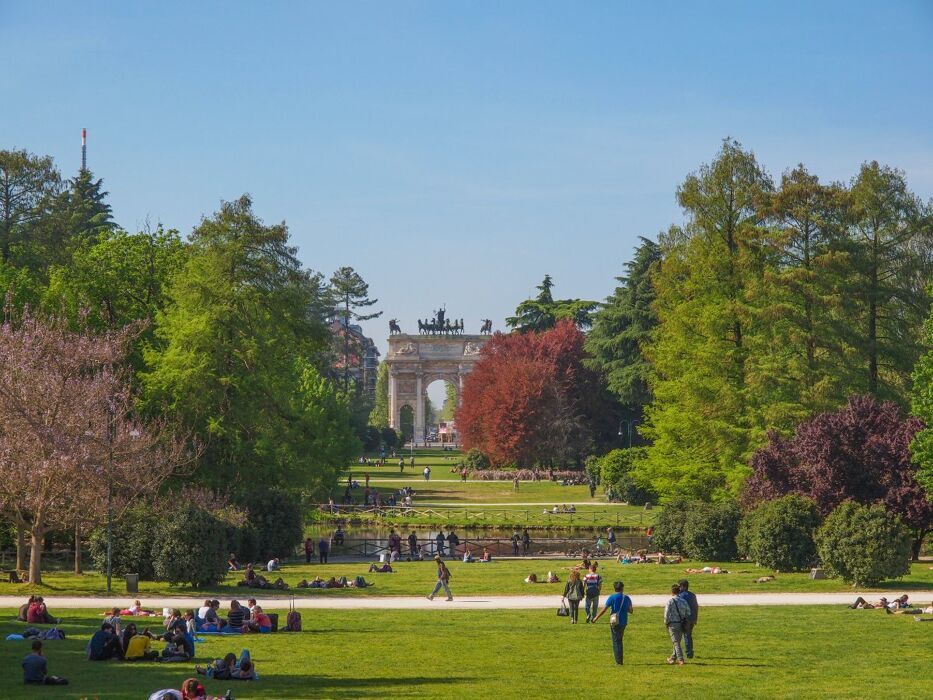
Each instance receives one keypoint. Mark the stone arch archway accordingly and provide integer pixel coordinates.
(415, 361)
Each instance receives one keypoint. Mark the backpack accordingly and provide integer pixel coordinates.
(53, 633)
(293, 619)
(592, 585)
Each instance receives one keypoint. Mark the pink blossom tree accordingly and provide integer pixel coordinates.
(70, 442)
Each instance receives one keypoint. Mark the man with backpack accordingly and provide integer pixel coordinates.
(688, 626)
(620, 607)
(592, 584)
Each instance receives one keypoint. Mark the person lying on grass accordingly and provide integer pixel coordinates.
(192, 690)
(384, 569)
(862, 604)
(229, 668)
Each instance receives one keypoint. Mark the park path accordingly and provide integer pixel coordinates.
(518, 602)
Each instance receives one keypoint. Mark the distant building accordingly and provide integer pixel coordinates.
(447, 432)
(364, 355)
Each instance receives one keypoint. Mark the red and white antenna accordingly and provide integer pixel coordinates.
(83, 149)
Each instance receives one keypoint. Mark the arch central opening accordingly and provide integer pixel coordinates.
(441, 400)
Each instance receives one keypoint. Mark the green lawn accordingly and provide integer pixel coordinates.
(786, 652)
(501, 577)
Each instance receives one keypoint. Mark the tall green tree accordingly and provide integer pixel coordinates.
(890, 237)
(449, 409)
(117, 279)
(81, 215)
(622, 327)
(241, 317)
(351, 294)
(544, 311)
(922, 405)
(28, 186)
(798, 363)
(379, 416)
(701, 421)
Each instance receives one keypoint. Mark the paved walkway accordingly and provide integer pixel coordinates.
(518, 602)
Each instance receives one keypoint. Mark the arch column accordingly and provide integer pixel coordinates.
(419, 407)
(394, 416)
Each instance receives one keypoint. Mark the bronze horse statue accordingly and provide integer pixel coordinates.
(394, 328)
(486, 328)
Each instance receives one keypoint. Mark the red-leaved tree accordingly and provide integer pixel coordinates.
(529, 400)
(860, 452)
(68, 432)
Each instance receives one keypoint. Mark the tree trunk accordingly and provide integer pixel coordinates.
(917, 545)
(78, 550)
(20, 545)
(35, 555)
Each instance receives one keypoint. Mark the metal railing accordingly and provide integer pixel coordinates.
(366, 547)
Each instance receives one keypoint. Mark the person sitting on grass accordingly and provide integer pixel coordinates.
(235, 617)
(210, 620)
(38, 613)
(467, 556)
(138, 647)
(487, 557)
(258, 622)
(552, 577)
(386, 568)
(114, 620)
(105, 644)
(531, 578)
(249, 575)
(232, 563)
(273, 565)
(35, 668)
(24, 609)
(137, 610)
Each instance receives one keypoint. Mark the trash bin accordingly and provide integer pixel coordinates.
(132, 583)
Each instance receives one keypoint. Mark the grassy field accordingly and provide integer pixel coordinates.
(501, 577)
(488, 503)
(749, 652)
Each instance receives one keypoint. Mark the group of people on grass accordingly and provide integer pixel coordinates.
(899, 606)
(681, 612)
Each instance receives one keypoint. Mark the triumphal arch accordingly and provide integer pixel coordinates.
(440, 350)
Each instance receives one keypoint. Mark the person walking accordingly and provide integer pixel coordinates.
(443, 579)
(323, 548)
(526, 542)
(688, 626)
(439, 541)
(427, 473)
(516, 541)
(573, 594)
(592, 585)
(620, 607)
(611, 537)
(676, 612)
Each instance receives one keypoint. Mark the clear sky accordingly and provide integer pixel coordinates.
(456, 152)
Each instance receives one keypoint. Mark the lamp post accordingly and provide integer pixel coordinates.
(110, 436)
(629, 427)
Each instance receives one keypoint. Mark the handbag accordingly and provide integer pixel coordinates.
(563, 610)
(614, 619)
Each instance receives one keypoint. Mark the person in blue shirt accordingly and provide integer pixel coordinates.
(694, 616)
(620, 607)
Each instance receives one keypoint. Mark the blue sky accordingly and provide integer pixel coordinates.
(455, 152)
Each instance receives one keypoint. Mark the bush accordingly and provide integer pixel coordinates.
(371, 438)
(278, 519)
(190, 546)
(391, 438)
(476, 460)
(620, 481)
(863, 545)
(132, 544)
(779, 534)
(669, 527)
(710, 530)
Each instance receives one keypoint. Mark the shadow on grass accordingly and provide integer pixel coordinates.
(401, 681)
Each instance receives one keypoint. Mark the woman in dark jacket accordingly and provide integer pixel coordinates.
(573, 594)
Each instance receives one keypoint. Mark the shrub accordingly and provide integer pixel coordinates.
(710, 530)
(391, 439)
(779, 534)
(621, 483)
(132, 544)
(476, 460)
(371, 438)
(863, 545)
(190, 546)
(669, 527)
(278, 519)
